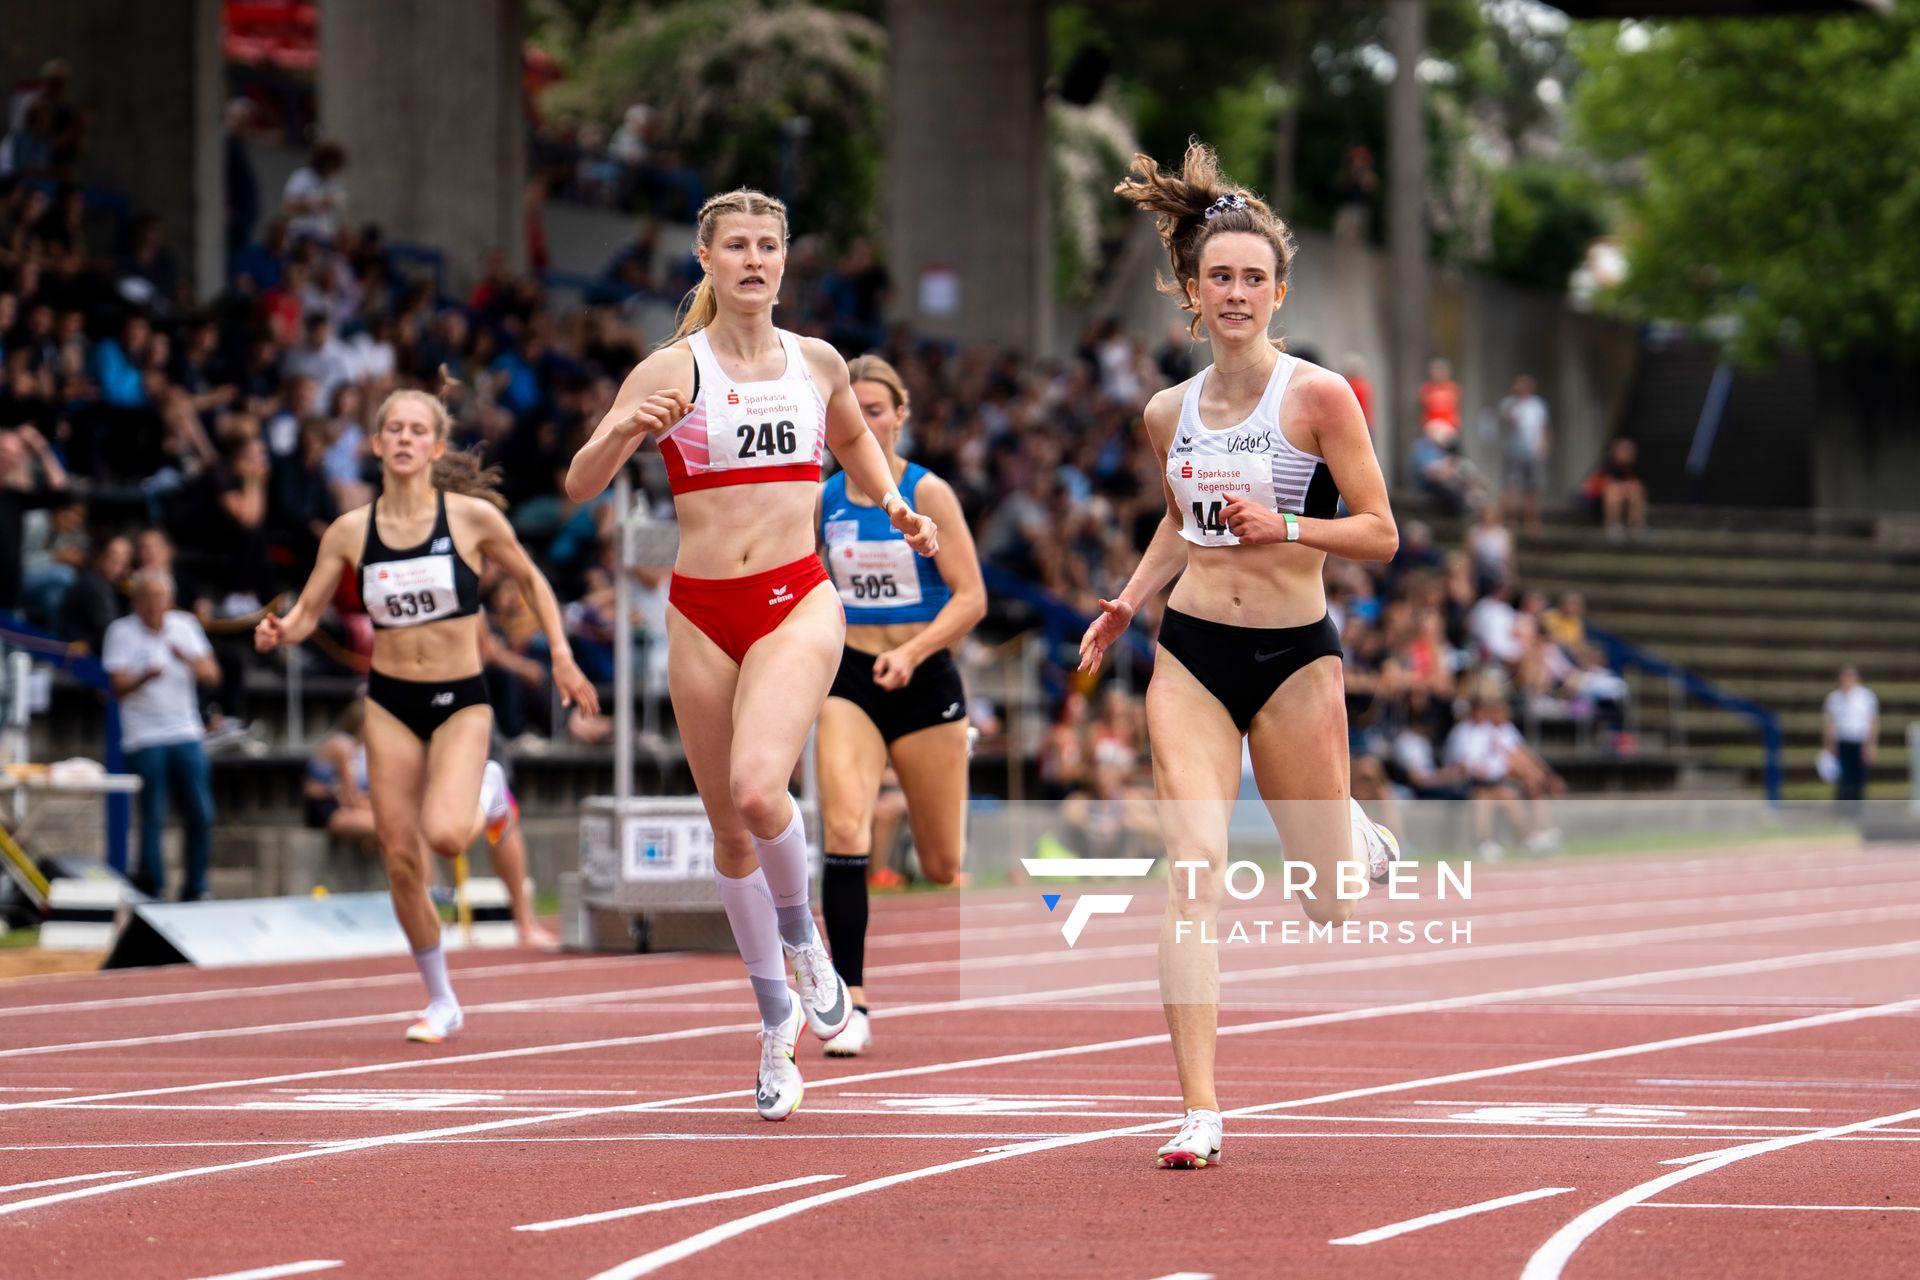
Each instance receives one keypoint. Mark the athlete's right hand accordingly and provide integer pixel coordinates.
(1104, 632)
(269, 634)
(656, 414)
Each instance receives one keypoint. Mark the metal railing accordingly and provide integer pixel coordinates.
(1683, 685)
(65, 656)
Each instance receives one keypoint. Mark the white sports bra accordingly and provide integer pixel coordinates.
(1205, 467)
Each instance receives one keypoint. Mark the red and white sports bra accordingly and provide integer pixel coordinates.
(747, 432)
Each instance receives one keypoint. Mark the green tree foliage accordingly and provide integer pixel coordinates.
(1770, 171)
(727, 76)
(1544, 217)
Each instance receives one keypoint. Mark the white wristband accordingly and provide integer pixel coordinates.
(890, 497)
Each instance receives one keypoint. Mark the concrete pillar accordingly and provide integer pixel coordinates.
(1406, 234)
(149, 77)
(967, 171)
(425, 97)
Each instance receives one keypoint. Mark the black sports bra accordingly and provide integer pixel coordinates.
(426, 583)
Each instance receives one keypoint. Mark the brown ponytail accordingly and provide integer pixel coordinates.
(456, 471)
(460, 471)
(1180, 203)
(701, 305)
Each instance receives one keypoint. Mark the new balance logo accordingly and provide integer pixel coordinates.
(1088, 905)
(443, 699)
(780, 595)
(440, 546)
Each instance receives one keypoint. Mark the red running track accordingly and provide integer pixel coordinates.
(1691, 1065)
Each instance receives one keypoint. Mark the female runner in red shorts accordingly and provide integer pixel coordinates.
(754, 631)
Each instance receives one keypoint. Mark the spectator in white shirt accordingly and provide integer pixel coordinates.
(314, 200)
(1851, 732)
(155, 657)
(1492, 625)
(1500, 769)
(1527, 430)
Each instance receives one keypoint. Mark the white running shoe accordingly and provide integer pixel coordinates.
(1491, 851)
(855, 1040)
(437, 1023)
(1197, 1145)
(776, 1093)
(1380, 845)
(823, 994)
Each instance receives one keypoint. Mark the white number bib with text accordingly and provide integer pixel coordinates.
(875, 574)
(406, 593)
(1202, 487)
(768, 425)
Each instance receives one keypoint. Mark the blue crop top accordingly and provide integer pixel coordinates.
(880, 578)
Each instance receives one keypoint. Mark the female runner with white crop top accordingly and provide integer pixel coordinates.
(1257, 451)
(414, 549)
(754, 627)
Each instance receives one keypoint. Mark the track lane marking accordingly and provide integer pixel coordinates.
(1426, 1220)
(661, 1206)
(1446, 955)
(284, 1269)
(1650, 978)
(648, 1263)
(61, 1182)
(1551, 1258)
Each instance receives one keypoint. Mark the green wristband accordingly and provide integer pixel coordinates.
(1293, 525)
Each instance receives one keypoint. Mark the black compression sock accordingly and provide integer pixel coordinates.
(843, 904)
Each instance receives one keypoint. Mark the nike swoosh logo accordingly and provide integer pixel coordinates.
(838, 1011)
(1269, 657)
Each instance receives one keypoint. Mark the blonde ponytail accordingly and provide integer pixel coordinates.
(697, 310)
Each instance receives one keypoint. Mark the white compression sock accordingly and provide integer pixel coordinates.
(756, 931)
(784, 860)
(432, 964)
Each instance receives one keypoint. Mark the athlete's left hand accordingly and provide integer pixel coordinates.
(922, 534)
(575, 688)
(892, 669)
(1252, 523)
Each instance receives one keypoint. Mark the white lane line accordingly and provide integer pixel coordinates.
(1688, 1107)
(1188, 1275)
(648, 1263)
(661, 1206)
(322, 984)
(1456, 955)
(284, 1269)
(1797, 1208)
(1037, 1055)
(1551, 1258)
(1005, 1139)
(1643, 979)
(1426, 1220)
(61, 1182)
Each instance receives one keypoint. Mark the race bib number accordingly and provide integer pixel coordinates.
(874, 575)
(761, 428)
(1202, 487)
(406, 593)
